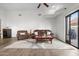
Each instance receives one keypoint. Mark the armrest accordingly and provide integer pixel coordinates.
(51, 34)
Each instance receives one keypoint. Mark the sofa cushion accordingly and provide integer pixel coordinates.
(36, 33)
(22, 33)
(48, 33)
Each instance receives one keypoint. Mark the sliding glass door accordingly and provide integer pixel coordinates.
(72, 29)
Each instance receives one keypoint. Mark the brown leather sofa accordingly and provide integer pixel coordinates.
(22, 34)
(40, 35)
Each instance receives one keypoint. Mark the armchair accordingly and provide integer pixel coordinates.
(22, 34)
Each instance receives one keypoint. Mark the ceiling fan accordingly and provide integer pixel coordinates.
(43, 4)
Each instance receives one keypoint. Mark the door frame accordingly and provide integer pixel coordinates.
(66, 29)
(70, 26)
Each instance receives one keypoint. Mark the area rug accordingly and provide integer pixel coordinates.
(31, 43)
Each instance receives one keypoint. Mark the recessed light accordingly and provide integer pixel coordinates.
(20, 15)
(39, 14)
(65, 8)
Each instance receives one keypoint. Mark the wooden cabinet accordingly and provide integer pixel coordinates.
(7, 33)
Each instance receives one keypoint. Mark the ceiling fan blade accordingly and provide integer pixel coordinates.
(46, 4)
(39, 5)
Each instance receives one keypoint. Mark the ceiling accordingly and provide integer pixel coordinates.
(18, 6)
(32, 6)
(27, 6)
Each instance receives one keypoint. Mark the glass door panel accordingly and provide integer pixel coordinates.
(74, 29)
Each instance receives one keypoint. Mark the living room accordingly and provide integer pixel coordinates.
(28, 17)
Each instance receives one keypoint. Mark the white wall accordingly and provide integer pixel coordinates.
(60, 21)
(28, 21)
(60, 27)
(2, 20)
